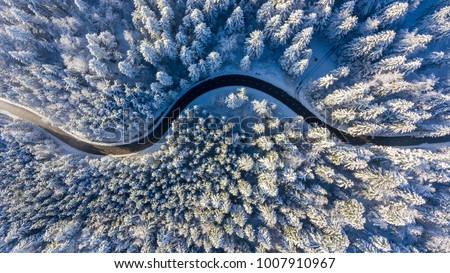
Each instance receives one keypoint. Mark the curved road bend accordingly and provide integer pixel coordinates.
(191, 95)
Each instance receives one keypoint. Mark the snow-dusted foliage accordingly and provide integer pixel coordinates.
(396, 82)
(255, 44)
(342, 21)
(369, 67)
(385, 17)
(205, 190)
(56, 54)
(236, 100)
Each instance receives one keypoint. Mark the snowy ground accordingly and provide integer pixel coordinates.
(322, 61)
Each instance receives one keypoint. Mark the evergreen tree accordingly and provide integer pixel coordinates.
(342, 21)
(255, 44)
(235, 23)
(369, 47)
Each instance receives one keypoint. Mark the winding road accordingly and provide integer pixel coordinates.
(208, 85)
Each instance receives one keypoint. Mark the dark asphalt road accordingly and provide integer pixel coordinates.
(192, 94)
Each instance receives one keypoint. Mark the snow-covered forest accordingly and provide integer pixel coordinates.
(88, 66)
(206, 190)
(92, 65)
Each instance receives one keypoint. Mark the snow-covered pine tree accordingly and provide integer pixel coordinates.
(260, 107)
(295, 19)
(282, 35)
(272, 26)
(265, 12)
(297, 68)
(194, 72)
(411, 42)
(255, 44)
(393, 12)
(127, 68)
(98, 67)
(235, 23)
(198, 48)
(369, 48)
(437, 23)
(245, 63)
(214, 61)
(233, 101)
(322, 9)
(342, 21)
(203, 33)
(164, 78)
(300, 41)
(211, 10)
(385, 17)
(149, 53)
(186, 56)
